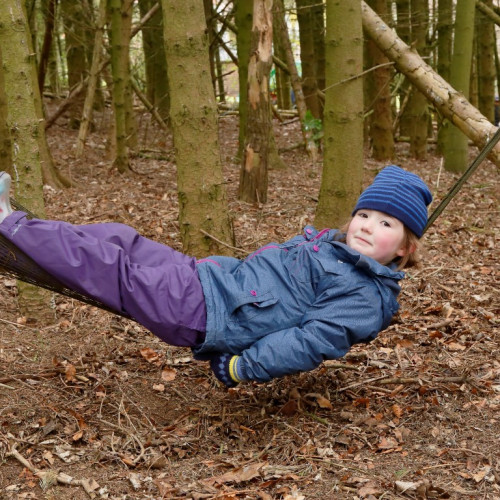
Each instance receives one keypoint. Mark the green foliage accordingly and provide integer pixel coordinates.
(314, 125)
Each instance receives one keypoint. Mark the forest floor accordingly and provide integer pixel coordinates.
(96, 398)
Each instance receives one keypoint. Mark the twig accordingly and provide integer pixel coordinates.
(47, 477)
(341, 366)
(222, 243)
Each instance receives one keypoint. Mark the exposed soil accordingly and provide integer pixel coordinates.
(414, 414)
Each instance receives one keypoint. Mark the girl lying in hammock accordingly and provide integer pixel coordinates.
(283, 309)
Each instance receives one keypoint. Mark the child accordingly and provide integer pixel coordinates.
(283, 309)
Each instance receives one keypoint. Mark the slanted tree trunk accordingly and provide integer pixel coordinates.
(486, 63)
(380, 120)
(343, 119)
(26, 128)
(308, 56)
(200, 183)
(448, 101)
(455, 145)
(256, 152)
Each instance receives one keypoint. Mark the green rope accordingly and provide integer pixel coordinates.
(461, 181)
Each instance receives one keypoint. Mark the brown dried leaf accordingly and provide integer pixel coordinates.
(238, 475)
(70, 373)
(149, 355)
(168, 374)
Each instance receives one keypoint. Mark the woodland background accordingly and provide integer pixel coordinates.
(127, 111)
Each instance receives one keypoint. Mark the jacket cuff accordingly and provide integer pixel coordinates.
(236, 369)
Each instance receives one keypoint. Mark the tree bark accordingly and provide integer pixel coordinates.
(294, 79)
(5, 143)
(193, 114)
(455, 144)
(308, 56)
(448, 101)
(486, 64)
(154, 60)
(92, 83)
(119, 55)
(26, 128)
(255, 162)
(417, 104)
(343, 119)
(379, 92)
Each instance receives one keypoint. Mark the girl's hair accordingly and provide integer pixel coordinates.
(411, 244)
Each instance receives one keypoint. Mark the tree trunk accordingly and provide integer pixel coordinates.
(5, 143)
(255, 162)
(278, 9)
(455, 145)
(283, 86)
(47, 43)
(403, 29)
(417, 104)
(448, 101)
(343, 120)
(444, 49)
(73, 14)
(307, 55)
(381, 123)
(243, 19)
(93, 79)
(486, 63)
(318, 13)
(201, 189)
(119, 54)
(25, 126)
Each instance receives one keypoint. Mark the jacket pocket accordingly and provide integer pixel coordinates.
(247, 305)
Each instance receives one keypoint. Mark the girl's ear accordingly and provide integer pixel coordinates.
(406, 250)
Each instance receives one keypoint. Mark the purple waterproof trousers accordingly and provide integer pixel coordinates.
(111, 262)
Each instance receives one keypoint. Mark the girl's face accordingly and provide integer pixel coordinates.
(376, 235)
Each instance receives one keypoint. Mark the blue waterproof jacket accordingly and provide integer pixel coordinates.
(287, 307)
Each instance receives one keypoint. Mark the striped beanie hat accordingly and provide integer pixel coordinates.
(398, 193)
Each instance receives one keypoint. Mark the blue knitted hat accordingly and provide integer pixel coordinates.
(400, 194)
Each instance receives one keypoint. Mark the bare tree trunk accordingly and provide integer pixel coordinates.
(308, 56)
(295, 79)
(486, 63)
(92, 83)
(5, 143)
(25, 126)
(47, 43)
(203, 207)
(255, 164)
(455, 144)
(342, 176)
(119, 52)
(381, 132)
(451, 103)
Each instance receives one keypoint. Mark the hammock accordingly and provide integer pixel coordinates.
(15, 263)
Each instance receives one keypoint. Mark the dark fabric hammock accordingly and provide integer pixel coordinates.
(15, 263)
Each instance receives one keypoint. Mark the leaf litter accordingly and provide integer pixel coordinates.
(93, 406)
